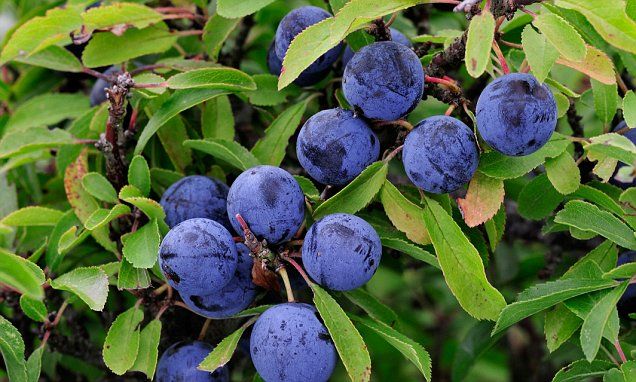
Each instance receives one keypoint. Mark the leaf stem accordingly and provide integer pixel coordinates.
(53, 324)
(392, 154)
(500, 57)
(204, 329)
(298, 268)
(619, 349)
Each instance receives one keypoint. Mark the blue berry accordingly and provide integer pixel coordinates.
(440, 154)
(396, 36)
(98, 95)
(289, 344)
(341, 252)
(297, 21)
(271, 202)
(237, 295)
(306, 78)
(334, 146)
(180, 361)
(384, 80)
(516, 114)
(197, 256)
(196, 197)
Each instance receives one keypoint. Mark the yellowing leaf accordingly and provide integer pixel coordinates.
(481, 32)
(596, 65)
(484, 197)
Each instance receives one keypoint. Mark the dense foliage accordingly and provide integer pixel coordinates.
(360, 190)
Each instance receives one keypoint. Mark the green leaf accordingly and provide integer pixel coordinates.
(88, 283)
(629, 109)
(32, 216)
(410, 249)
(148, 352)
(141, 247)
(316, 40)
(614, 146)
(495, 228)
(235, 9)
(605, 100)
(308, 187)
(405, 215)
(563, 104)
(12, 348)
(461, 264)
(105, 17)
(272, 147)
(19, 142)
(560, 324)
(102, 216)
(98, 186)
(41, 32)
(21, 274)
(149, 78)
(588, 217)
(223, 352)
(410, 349)
(476, 342)
(541, 54)
(122, 341)
(55, 58)
(597, 197)
(609, 19)
(501, 166)
(581, 370)
(267, 93)
(357, 194)
(217, 120)
(374, 308)
(139, 174)
(596, 65)
(230, 152)
(33, 308)
(595, 322)
(213, 78)
(561, 35)
(624, 271)
(481, 32)
(172, 134)
(350, 345)
(605, 256)
(216, 30)
(107, 48)
(178, 102)
(543, 296)
(34, 364)
(483, 199)
(130, 277)
(563, 173)
(48, 109)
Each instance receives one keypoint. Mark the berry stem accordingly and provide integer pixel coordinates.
(500, 57)
(441, 81)
(392, 154)
(397, 122)
(450, 110)
(283, 275)
(204, 329)
(299, 269)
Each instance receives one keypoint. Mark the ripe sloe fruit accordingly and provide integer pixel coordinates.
(196, 197)
(271, 202)
(631, 135)
(341, 252)
(396, 36)
(440, 154)
(289, 344)
(627, 302)
(516, 114)
(180, 361)
(334, 146)
(297, 21)
(384, 80)
(305, 78)
(197, 256)
(98, 95)
(237, 295)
